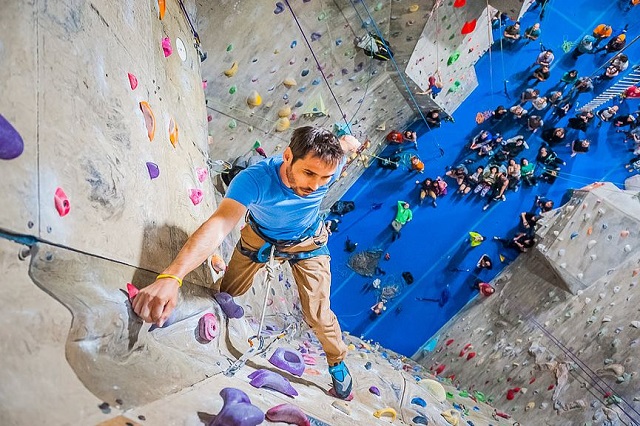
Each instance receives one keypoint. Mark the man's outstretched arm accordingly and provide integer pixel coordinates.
(156, 302)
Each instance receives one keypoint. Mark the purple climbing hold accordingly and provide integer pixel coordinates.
(288, 413)
(288, 360)
(315, 36)
(154, 170)
(345, 71)
(207, 327)
(359, 67)
(279, 8)
(268, 379)
(11, 143)
(374, 390)
(237, 410)
(229, 307)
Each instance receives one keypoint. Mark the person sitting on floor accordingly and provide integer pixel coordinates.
(549, 158)
(513, 174)
(484, 262)
(555, 97)
(518, 111)
(553, 135)
(410, 136)
(471, 181)
(416, 164)
(499, 113)
(498, 189)
(540, 74)
(616, 44)
(459, 173)
(569, 78)
(395, 137)
(433, 118)
(529, 220)
(527, 172)
(521, 242)
(545, 205)
(534, 122)
(579, 146)
(482, 138)
(485, 289)
(606, 114)
(528, 95)
(378, 308)
(487, 180)
(581, 120)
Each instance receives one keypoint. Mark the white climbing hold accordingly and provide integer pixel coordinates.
(627, 248)
(635, 324)
(586, 217)
(556, 233)
(563, 265)
(580, 275)
(593, 257)
(606, 318)
(591, 244)
(561, 252)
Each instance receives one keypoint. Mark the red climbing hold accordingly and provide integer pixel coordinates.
(449, 342)
(551, 387)
(510, 394)
(62, 202)
(440, 368)
(531, 380)
(503, 415)
(459, 3)
(132, 291)
(133, 81)
(468, 27)
(471, 355)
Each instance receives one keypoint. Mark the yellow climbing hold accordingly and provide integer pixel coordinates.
(435, 389)
(289, 82)
(390, 412)
(414, 8)
(285, 111)
(254, 99)
(451, 416)
(351, 347)
(232, 71)
(282, 124)
(173, 132)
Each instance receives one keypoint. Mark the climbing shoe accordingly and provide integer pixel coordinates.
(341, 378)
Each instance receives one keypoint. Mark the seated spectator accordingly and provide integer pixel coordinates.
(484, 262)
(482, 138)
(624, 120)
(586, 45)
(518, 111)
(621, 61)
(549, 159)
(459, 174)
(579, 146)
(539, 103)
(512, 33)
(581, 120)
(499, 113)
(511, 148)
(528, 95)
(390, 163)
(633, 165)
(534, 123)
(606, 114)
(378, 308)
(487, 180)
(497, 189)
(553, 135)
(541, 74)
(533, 32)
(555, 97)
(416, 164)
(433, 118)
(432, 189)
(527, 172)
(562, 109)
(395, 137)
(602, 32)
(471, 181)
(410, 136)
(513, 174)
(616, 44)
(545, 58)
(570, 77)
(521, 242)
(609, 73)
(583, 85)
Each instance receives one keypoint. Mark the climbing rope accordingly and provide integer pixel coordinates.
(397, 68)
(489, 37)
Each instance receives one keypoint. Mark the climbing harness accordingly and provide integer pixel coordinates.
(257, 344)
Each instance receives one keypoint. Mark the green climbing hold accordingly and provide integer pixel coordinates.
(230, 48)
(455, 87)
(232, 124)
(232, 89)
(322, 16)
(378, 6)
(256, 144)
(464, 394)
(451, 36)
(448, 27)
(449, 395)
(454, 57)
(480, 396)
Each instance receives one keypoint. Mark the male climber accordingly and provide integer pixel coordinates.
(280, 200)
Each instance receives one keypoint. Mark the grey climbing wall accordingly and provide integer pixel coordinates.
(559, 339)
(85, 132)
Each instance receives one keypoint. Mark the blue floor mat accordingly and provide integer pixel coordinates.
(434, 246)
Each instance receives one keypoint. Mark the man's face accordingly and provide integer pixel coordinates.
(305, 175)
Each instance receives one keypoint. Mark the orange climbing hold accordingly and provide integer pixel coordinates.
(590, 230)
(149, 119)
(173, 132)
(162, 6)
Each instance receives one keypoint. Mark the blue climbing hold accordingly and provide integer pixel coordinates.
(304, 72)
(302, 89)
(419, 401)
(315, 82)
(293, 44)
(338, 42)
(368, 365)
(573, 235)
(420, 420)
(285, 96)
(298, 104)
(279, 8)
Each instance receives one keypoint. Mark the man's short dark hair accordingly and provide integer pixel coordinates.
(316, 142)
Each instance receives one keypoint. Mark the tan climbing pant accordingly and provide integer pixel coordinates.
(312, 276)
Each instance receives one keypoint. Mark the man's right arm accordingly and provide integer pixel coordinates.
(156, 302)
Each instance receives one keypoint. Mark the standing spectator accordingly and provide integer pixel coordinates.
(579, 146)
(528, 95)
(433, 118)
(606, 114)
(518, 111)
(581, 120)
(609, 73)
(533, 32)
(621, 61)
(534, 123)
(586, 45)
(601, 32)
(539, 103)
(553, 135)
(569, 78)
(512, 33)
(562, 109)
(624, 120)
(555, 97)
(403, 216)
(527, 171)
(499, 113)
(540, 74)
(616, 44)
(545, 58)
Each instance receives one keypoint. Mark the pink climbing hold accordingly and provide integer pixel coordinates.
(308, 359)
(471, 356)
(288, 413)
(196, 196)
(440, 368)
(261, 152)
(468, 27)
(133, 81)
(202, 174)
(132, 291)
(62, 202)
(166, 46)
(207, 327)
(204, 84)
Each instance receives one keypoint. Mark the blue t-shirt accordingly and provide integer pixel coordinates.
(280, 212)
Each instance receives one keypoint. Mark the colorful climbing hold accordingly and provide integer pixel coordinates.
(315, 36)
(11, 143)
(453, 57)
(231, 71)
(289, 82)
(279, 8)
(196, 196)
(173, 132)
(419, 401)
(254, 99)
(414, 8)
(468, 27)
(269, 379)
(388, 411)
(232, 124)
(233, 89)
(228, 305)
(288, 413)
(166, 47)
(230, 48)
(471, 355)
(149, 119)
(61, 202)
(153, 169)
(202, 174)
(162, 8)
(237, 410)
(304, 72)
(207, 327)
(374, 390)
(284, 111)
(282, 124)
(440, 368)
(133, 81)
(459, 3)
(293, 44)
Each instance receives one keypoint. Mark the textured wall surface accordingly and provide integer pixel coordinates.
(545, 354)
